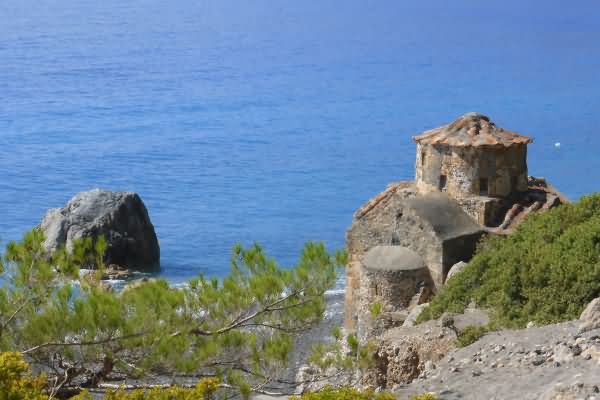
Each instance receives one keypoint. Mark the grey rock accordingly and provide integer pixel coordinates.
(121, 217)
(471, 317)
(115, 272)
(563, 354)
(403, 354)
(455, 269)
(498, 348)
(590, 317)
(447, 320)
(538, 360)
(411, 319)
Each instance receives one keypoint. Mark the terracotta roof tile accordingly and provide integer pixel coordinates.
(472, 129)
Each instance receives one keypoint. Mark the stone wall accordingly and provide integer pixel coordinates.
(375, 224)
(412, 232)
(394, 279)
(486, 211)
(459, 170)
(401, 217)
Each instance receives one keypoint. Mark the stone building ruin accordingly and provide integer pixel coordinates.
(471, 157)
(475, 162)
(471, 179)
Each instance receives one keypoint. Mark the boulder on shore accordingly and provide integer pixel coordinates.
(121, 217)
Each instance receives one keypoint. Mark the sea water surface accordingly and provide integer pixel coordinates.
(272, 121)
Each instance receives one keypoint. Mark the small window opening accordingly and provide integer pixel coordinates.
(483, 186)
(443, 182)
(423, 154)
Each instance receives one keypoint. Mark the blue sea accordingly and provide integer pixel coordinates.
(272, 121)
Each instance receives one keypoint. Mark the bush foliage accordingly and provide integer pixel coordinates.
(547, 271)
(471, 334)
(345, 393)
(16, 380)
(204, 390)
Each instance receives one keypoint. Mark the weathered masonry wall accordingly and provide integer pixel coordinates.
(487, 211)
(414, 233)
(396, 279)
(379, 227)
(468, 171)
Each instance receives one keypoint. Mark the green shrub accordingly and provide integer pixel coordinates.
(376, 309)
(16, 380)
(547, 271)
(471, 334)
(425, 396)
(348, 393)
(345, 393)
(204, 390)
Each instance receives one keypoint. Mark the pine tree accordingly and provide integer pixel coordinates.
(239, 330)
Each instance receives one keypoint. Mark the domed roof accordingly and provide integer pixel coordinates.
(392, 258)
(472, 129)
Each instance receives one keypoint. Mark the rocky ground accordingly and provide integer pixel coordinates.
(552, 362)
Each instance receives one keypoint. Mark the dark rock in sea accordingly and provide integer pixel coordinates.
(121, 217)
(116, 272)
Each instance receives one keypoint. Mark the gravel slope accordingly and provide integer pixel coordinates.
(551, 362)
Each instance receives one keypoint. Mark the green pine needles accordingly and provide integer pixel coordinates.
(239, 330)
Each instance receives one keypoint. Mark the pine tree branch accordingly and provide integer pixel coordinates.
(13, 316)
(89, 343)
(239, 324)
(280, 328)
(273, 307)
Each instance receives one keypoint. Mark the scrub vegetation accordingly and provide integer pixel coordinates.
(547, 271)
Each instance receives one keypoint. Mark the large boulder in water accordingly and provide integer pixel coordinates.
(120, 217)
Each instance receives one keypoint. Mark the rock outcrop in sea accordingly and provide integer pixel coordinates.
(120, 217)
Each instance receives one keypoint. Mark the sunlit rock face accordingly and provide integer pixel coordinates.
(120, 217)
